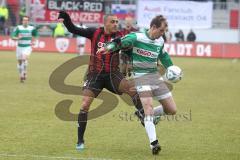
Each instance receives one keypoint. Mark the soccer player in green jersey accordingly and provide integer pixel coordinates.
(147, 47)
(24, 35)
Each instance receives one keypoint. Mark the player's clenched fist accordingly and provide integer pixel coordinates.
(62, 15)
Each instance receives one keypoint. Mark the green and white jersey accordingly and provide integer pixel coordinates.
(145, 52)
(26, 34)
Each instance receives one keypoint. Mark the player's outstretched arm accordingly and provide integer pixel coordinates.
(116, 44)
(84, 32)
(110, 47)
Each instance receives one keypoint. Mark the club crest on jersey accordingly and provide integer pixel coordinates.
(62, 44)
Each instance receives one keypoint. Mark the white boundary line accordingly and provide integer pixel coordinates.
(52, 157)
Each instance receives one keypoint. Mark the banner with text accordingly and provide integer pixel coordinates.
(43, 44)
(179, 49)
(179, 14)
(187, 49)
(79, 10)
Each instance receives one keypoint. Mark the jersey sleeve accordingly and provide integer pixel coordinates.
(84, 32)
(35, 32)
(165, 58)
(15, 32)
(126, 43)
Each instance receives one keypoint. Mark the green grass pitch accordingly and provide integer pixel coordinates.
(207, 125)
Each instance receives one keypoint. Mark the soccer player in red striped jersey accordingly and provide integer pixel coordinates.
(103, 70)
(124, 57)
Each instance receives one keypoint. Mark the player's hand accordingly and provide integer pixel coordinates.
(19, 37)
(62, 15)
(102, 50)
(33, 43)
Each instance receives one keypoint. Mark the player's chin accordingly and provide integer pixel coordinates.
(157, 37)
(114, 30)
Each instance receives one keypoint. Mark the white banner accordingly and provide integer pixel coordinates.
(180, 14)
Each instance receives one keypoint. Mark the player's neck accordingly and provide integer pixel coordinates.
(107, 31)
(150, 35)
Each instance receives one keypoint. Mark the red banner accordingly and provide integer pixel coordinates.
(214, 50)
(76, 17)
(61, 45)
(69, 45)
(234, 18)
(184, 49)
(79, 10)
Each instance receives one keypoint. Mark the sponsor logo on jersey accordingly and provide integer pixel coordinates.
(145, 53)
(62, 44)
(101, 44)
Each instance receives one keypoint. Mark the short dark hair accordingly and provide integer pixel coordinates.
(106, 17)
(158, 21)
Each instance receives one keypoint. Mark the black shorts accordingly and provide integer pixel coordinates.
(97, 81)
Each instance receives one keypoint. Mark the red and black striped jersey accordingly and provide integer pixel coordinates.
(103, 63)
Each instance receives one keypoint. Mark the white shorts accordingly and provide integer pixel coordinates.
(23, 52)
(81, 40)
(157, 93)
(154, 85)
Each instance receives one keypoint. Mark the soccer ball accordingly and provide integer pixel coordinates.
(173, 74)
